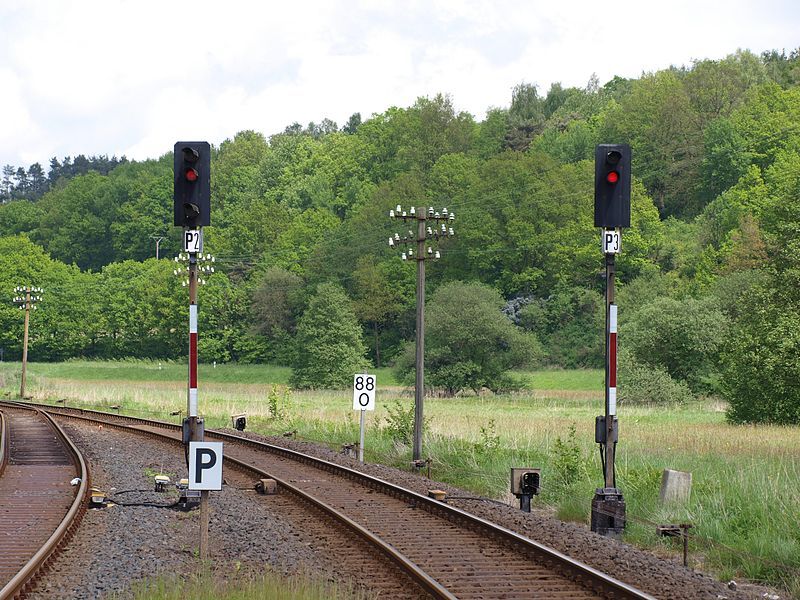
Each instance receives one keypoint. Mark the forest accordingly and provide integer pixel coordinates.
(709, 301)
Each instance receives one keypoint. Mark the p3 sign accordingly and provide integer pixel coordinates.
(612, 241)
(205, 465)
(364, 392)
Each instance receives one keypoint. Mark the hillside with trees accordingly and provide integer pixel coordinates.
(709, 300)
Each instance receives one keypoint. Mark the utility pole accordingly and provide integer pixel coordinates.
(440, 227)
(26, 302)
(158, 239)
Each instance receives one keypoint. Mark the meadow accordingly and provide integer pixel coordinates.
(745, 501)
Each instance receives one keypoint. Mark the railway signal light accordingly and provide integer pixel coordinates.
(192, 176)
(612, 186)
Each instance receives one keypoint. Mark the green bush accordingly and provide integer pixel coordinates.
(570, 325)
(400, 422)
(639, 383)
(681, 337)
(469, 342)
(761, 372)
(329, 345)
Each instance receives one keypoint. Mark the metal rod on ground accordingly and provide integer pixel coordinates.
(419, 391)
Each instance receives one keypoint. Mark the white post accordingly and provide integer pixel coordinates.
(361, 438)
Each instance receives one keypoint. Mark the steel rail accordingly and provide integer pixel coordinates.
(594, 579)
(28, 573)
(426, 582)
(3, 443)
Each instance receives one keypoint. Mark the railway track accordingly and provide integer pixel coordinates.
(449, 553)
(39, 507)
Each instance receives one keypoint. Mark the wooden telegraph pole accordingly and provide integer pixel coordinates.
(26, 302)
(430, 225)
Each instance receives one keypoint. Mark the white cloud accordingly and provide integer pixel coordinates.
(124, 76)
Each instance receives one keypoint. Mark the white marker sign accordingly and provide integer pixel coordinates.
(192, 241)
(364, 392)
(612, 241)
(205, 465)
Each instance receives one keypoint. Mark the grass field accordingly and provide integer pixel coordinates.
(745, 502)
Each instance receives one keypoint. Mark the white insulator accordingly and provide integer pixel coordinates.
(452, 217)
(391, 242)
(444, 212)
(396, 237)
(404, 214)
(398, 209)
(430, 250)
(413, 211)
(437, 216)
(404, 256)
(437, 256)
(430, 231)
(430, 211)
(410, 252)
(450, 231)
(391, 214)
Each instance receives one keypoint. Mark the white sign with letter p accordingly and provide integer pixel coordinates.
(205, 465)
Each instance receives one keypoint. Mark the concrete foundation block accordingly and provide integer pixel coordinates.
(267, 487)
(676, 486)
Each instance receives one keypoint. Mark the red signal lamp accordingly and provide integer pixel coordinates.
(612, 177)
(191, 175)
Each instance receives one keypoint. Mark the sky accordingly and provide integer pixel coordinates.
(132, 77)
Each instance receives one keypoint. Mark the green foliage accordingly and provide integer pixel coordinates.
(570, 325)
(761, 374)
(682, 337)
(490, 439)
(278, 403)
(469, 343)
(329, 347)
(400, 422)
(567, 460)
(639, 383)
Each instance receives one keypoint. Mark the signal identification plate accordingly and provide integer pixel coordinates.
(611, 241)
(193, 241)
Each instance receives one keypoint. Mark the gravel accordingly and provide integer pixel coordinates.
(124, 543)
(661, 578)
(133, 540)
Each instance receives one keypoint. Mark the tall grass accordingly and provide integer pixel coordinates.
(744, 507)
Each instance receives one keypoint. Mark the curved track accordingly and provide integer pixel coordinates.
(39, 508)
(448, 552)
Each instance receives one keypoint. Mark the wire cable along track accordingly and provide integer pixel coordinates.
(39, 506)
(448, 552)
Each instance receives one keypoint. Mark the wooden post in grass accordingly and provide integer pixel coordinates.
(26, 303)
